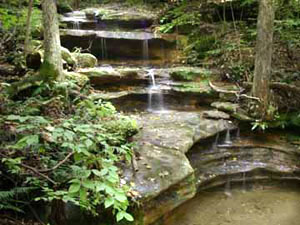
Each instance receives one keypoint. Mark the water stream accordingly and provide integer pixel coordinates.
(76, 25)
(155, 95)
(145, 50)
(260, 207)
(104, 49)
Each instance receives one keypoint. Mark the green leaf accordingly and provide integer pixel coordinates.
(97, 173)
(128, 217)
(120, 216)
(88, 143)
(83, 194)
(74, 188)
(103, 172)
(32, 139)
(108, 202)
(88, 184)
(121, 197)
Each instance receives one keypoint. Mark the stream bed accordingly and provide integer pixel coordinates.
(271, 206)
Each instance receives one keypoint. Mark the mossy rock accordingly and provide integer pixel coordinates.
(225, 106)
(85, 60)
(68, 57)
(35, 58)
(187, 74)
(78, 78)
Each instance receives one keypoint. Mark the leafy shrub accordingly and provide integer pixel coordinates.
(74, 158)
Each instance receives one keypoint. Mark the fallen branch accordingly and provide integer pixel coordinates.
(38, 173)
(57, 165)
(236, 93)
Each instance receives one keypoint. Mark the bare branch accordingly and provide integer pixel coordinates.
(237, 93)
(58, 164)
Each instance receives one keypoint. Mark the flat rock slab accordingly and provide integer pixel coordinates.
(164, 172)
(110, 34)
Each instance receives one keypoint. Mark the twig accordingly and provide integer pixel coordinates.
(57, 165)
(33, 170)
(237, 93)
(38, 173)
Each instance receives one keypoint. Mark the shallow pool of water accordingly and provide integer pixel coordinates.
(260, 207)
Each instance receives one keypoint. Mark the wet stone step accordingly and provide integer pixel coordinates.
(218, 162)
(99, 24)
(125, 45)
(107, 19)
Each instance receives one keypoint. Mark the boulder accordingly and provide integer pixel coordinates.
(68, 57)
(85, 60)
(34, 60)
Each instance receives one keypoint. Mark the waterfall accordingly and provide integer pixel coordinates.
(155, 96)
(76, 25)
(228, 138)
(228, 187)
(104, 48)
(145, 50)
(238, 134)
(244, 188)
(215, 143)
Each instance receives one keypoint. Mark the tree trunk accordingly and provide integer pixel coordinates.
(52, 66)
(263, 58)
(28, 28)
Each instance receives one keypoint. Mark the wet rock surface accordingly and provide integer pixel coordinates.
(246, 159)
(164, 173)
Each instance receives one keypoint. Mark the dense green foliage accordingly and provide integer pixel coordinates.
(56, 148)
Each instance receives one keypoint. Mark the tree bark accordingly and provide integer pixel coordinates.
(52, 66)
(28, 28)
(263, 57)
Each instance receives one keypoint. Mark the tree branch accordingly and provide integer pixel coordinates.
(237, 93)
(57, 165)
(38, 173)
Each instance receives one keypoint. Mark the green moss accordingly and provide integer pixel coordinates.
(189, 75)
(48, 71)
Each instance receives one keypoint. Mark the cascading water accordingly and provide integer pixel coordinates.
(104, 48)
(228, 187)
(76, 25)
(155, 97)
(145, 50)
(215, 143)
(228, 138)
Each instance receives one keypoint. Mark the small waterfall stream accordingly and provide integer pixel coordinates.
(76, 25)
(155, 96)
(145, 50)
(228, 138)
(104, 48)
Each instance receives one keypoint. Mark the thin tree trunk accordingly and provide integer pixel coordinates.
(52, 65)
(28, 28)
(263, 58)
